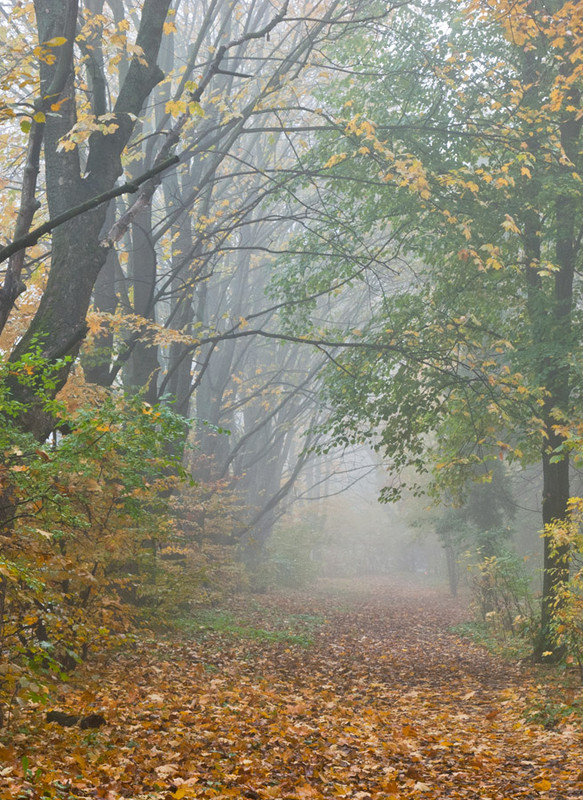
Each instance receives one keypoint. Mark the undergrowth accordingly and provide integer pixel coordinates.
(556, 696)
(515, 647)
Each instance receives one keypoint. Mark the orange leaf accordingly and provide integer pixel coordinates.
(543, 786)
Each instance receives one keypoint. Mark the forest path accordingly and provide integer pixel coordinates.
(354, 690)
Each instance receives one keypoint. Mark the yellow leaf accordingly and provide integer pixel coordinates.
(510, 225)
(367, 128)
(196, 108)
(335, 159)
(39, 117)
(543, 786)
(58, 41)
(175, 107)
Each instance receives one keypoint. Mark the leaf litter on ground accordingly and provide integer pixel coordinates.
(360, 691)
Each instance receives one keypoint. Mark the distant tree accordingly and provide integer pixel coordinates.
(480, 518)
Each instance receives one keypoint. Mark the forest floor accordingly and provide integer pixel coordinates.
(351, 690)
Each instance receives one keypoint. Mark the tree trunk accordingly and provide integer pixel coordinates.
(77, 256)
(553, 327)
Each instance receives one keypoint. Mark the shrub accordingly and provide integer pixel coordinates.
(501, 592)
(83, 519)
(567, 621)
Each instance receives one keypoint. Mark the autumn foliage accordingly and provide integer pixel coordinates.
(416, 169)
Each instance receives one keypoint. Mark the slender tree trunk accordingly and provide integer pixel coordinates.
(556, 331)
(452, 575)
(97, 364)
(142, 367)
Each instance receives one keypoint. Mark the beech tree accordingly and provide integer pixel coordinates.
(73, 177)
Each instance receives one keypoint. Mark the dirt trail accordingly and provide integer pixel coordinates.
(357, 690)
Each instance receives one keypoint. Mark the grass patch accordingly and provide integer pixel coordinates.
(295, 629)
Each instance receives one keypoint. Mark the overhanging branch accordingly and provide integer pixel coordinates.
(127, 188)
